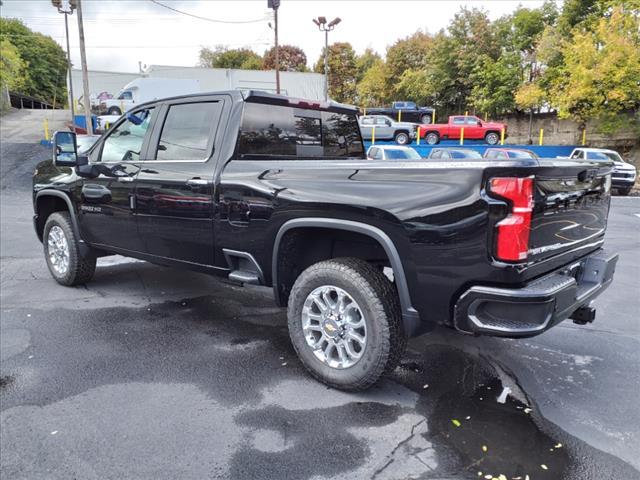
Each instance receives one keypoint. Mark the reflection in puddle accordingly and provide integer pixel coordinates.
(478, 428)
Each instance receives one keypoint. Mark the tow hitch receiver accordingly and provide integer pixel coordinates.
(583, 315)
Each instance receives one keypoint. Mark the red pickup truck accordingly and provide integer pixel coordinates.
(474, 129)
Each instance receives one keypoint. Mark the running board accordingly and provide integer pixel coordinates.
(243, 267)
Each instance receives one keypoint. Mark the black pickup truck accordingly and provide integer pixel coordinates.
(273, 191)
(409, 112)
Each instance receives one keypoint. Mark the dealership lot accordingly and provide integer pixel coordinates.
(149, 372)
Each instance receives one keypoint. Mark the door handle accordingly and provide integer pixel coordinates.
(197, 182)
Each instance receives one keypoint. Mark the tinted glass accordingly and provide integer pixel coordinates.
(436, 154)
(125, 96)
(602, 156)
(125, 141)
(294, 132)
(457, 154)
(521, 154)
(472, 120)
(368, 121)
(187, 131)
(491, 154)
(459, 120)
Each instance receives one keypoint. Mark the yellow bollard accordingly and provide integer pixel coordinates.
(502, 136)
(433, 117)
(541, 136)
(399, 115)
(486, 117)
(364, 111)
(373, 135)
(46, 130)
(584, 136)
(462, 136)
(466, 114)
(418, 136)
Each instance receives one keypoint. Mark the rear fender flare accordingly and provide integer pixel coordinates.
(410, 316)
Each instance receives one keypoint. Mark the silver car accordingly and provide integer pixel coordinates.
(392, 152)
(385, 128)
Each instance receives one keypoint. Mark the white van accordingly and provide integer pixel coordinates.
(143, 90)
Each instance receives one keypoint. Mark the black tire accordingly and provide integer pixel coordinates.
(80, 268)
(402, 138)
(114, 111)
(432, 138)
(426, 119)
(624, 191)
(491, 138)
(378, 301)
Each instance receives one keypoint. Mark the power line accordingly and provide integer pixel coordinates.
(205, 18)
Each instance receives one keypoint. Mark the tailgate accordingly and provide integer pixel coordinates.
(571, 205)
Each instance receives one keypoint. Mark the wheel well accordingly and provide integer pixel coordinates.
(432, 131)
(401, 131)
(491, 131)
(45, 206)
(302, 247)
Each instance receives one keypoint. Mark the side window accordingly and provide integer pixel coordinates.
(491, 154)
(472, 120)
(445, 155)
(378, 155)
(187, 131)
(437, 154)
(367, 121)
(126, 95)
(270, 130)
(381, 121)
(125, 141)
(578, 154)
(458, 120)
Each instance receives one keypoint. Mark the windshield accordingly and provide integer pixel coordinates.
(522, 154)
(604, 156)
(464, 154)
(409, 154)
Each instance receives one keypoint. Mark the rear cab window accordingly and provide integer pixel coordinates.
(289, 132)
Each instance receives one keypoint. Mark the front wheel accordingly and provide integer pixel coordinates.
(402, 138)
(115, 111)
(345, 323)
(491, 138)
(62, 252)
(426, 118)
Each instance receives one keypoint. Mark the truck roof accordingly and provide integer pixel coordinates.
(257, 96)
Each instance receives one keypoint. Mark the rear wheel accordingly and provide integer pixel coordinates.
(115, 111)
(432, 138)
(491, 138)
(426, 118)
(402, 138)
(345, 323)
(62, 252)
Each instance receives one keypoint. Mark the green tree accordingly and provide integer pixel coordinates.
(13, 70)
(44, 59)
(599, 77)
(342, 71)
(372, 88)
(292, 59)
(495, 84)
(223, 57)
(364, 62)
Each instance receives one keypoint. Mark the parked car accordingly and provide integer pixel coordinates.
(474, 129)
(386, 128)
(392, 152)
(363, 254)
(143, 90)
(624, 173)
(508, 153)
(409, 112)
(453, 154)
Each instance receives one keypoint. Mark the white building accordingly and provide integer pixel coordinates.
(294, 84)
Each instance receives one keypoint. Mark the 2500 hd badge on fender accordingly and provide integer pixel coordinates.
(273, 191)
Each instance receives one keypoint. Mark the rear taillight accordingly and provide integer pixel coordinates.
(512, 233)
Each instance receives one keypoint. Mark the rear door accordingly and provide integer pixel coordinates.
(456, 124)
(174, 194)
(472, 130)
(384, 130)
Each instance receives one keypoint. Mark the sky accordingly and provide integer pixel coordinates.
(121, 33)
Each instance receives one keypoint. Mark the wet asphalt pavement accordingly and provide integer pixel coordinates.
(154, 373)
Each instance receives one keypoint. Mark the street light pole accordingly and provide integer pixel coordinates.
(67, 8)
(323, 26)
(275, 4)
(85, 73)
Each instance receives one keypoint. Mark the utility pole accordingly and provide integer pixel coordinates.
(275, 4)
(65, 6)
(85, 73)
(323, 26)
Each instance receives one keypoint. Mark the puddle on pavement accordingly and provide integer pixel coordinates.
(470, 430)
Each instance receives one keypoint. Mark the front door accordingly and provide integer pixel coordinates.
(107, 207)
(175, 187)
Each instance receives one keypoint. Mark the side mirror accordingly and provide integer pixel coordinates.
(65, 149)
(479, 123)
(388, 122)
